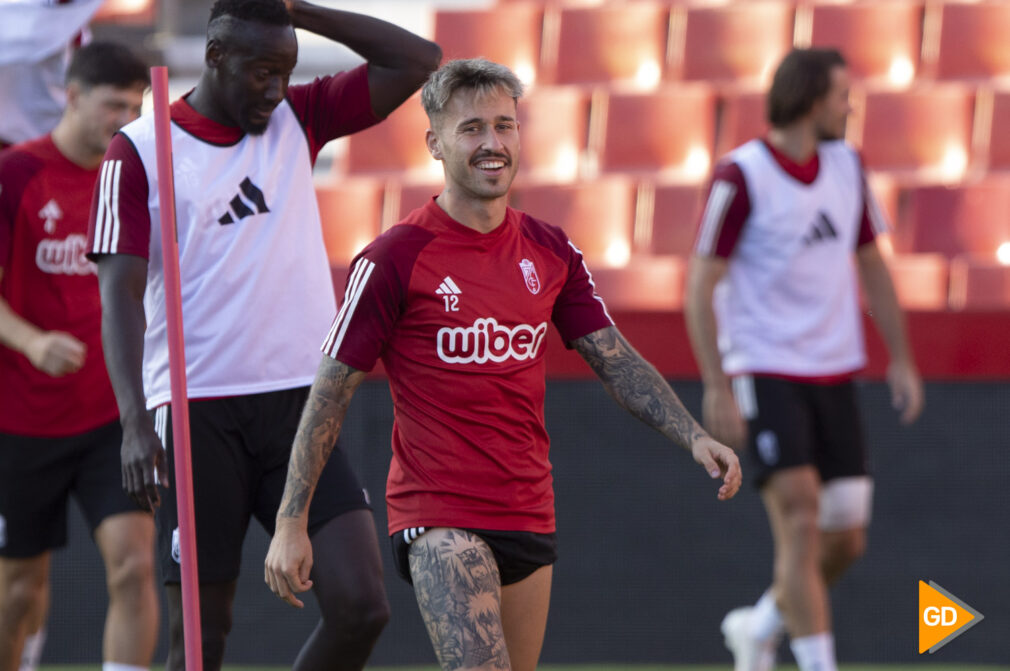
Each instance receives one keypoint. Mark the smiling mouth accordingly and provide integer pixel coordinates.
(490, 164)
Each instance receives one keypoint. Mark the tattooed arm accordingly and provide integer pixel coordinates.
(639, 388)
(289, 559)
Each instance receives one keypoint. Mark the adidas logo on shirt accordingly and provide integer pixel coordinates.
(450, 294)
(822, 229)
(239, 207)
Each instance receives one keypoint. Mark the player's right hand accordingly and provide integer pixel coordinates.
(721, 416)
(56, 353)
(144, 464)
(289, 562)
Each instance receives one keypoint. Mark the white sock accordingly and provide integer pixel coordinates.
(116, 666)
(31, 653)
(815, 653)
(766, 620)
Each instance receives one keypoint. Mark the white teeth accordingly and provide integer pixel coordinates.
(491, 165)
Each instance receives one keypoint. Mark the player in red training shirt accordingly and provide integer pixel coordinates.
(59, 427)
(455, 300)
(774, 318)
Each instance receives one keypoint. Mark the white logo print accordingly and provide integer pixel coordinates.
(768, 447)
(450, 294)
(176, 549)
(530, 275)
(52, 213)
(3, 531)
(64, 257)
(487, 340)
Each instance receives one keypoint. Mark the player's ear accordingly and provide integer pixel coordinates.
(74, 91)
(214, 53)
(434, 144)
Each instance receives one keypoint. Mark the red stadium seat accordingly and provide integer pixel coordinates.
(972, 219)
(625, 44)
(999, 139)
(351, 214)
(509, 35)
(742, 117)
(394, 147)
(923, 133)
(402, 199)
(973, 41)
(979, 284)
(647, 284)
(553, 127)
(596, 215)
(127, 13)
(667, 217)
(669, 132)
(880, 40)
(735, 42)
(920, 280)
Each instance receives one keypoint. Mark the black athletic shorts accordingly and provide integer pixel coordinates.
(517, 553)
(240, 447)
(793, 423)
(38, 474)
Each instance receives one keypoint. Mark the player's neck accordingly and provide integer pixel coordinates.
(203, 102)
(482, 216)
(69, 141)
(797, 141)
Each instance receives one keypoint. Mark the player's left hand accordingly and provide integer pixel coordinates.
(907, 396)
(719, 460)
(289, 562)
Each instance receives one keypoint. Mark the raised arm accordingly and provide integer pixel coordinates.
(639, 388)
(398, 60)
(289, 559)
(902, 374)
(122, 279)
(53, 352)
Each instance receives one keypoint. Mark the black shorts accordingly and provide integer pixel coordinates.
(240, 447)
(38, 474)
(517, 553)
(793, 424)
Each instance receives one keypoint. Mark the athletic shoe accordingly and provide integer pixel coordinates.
(749, 654)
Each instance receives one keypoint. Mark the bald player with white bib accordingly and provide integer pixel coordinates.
(773, 313)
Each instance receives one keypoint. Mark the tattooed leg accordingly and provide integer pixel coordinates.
(458, 590)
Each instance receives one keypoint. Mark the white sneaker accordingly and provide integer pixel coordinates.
(749, 654)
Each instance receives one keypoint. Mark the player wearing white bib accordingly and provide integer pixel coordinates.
(775, 322)
(257, 297)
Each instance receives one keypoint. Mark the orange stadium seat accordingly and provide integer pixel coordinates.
(597, 215)
(925, 132)
(920, 280)
(647, 284)
(736, 42)
(351, 214)
(670, 214)
(742, 117)
(509, 35)
(553, 127)
(971, 218)
(979, 284)
(880, 40)
(394, 147)
(625, 44)
(973, 41)
(670, 131)
(999, 140)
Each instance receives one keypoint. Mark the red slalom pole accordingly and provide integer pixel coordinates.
(177, 369)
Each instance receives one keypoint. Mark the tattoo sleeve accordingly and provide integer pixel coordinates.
(317, 432)
(636, 385)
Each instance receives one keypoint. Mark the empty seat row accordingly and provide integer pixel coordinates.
(644, 42)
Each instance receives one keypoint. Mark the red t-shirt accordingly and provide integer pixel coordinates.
(459, 320)
(44, 204)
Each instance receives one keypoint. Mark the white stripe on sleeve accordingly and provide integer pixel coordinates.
(719, 200)
(117, 169)
(355, 287)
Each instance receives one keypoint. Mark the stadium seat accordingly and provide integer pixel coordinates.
(668, 133)
(127, 13)
(967, 219)
(394, 147)
(973, 40)
(623, 44)
(404, 198)
(597, 215)
(509, 34)
(979, 284)
(880, 40)
(553, 129)
(920, 280)
(742, 117)
(351, 214)
(667, 218)
(924, 133)
(739, 42)
(647, 284)
(998, 145)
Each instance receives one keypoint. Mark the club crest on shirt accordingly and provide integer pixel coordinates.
(530, 275)
(51, 213)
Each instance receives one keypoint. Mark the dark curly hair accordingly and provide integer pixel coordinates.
(271, 12)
